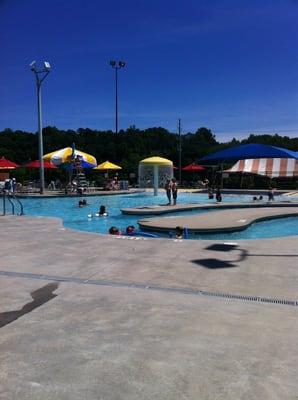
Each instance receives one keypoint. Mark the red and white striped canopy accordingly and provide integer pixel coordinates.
(271, 167)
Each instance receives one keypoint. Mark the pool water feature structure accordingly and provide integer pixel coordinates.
(156, 169)
(76, 218)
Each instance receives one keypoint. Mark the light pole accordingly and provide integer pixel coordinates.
(117, 65)
(40, 75)
(180, 150)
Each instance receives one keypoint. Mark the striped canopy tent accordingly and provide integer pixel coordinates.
(271, 167)
(68, 156)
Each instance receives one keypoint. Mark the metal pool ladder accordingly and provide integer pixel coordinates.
(13, 200)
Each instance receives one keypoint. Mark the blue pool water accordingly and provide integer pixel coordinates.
(77, 218)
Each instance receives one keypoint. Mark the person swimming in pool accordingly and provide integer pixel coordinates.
(179, 232)
(130, 230)
(102, 211)
(82, 203)
(114, 231)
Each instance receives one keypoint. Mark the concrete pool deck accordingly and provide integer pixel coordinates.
(218, 221)
(145, 319)
(165, 209)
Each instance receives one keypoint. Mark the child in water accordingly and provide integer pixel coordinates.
(130, 230)
(82, 203)
(179, 232)
(114, 231)
(102, 211)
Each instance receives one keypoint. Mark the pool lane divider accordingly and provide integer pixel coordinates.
(132, 285)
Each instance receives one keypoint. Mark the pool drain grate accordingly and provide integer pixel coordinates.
(131, 285)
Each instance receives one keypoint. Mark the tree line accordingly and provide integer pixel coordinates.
(127, 147)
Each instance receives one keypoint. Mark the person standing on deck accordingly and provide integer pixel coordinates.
(168, 187)
(218, 195)
(174, 188)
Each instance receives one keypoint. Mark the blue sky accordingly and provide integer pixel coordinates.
(229, 65)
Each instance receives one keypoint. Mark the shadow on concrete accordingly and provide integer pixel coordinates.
(222, 247)
(39, 296)
(215, 263)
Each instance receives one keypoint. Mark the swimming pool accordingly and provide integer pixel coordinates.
(77, 218)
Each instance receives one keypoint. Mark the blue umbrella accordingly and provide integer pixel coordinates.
(247, 151)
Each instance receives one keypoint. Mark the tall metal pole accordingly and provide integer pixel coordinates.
(40, 138)
(116, 75)
(40, 75)
(116, 65)
(180, 151)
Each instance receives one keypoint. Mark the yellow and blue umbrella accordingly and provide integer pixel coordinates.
(68, 155)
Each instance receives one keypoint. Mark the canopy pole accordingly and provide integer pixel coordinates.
(70, 175)
(155, 179)
(221, 173)
(241, 180)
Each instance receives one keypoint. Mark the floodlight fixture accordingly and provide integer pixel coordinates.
(121, 64)
(32, 65)
(47, 65)
(112, 63)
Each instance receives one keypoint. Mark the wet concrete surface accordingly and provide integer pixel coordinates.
(124, 342)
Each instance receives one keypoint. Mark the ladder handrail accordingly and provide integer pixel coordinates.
(20, 204)
(12, 205)
(4, 204)
(10, 197)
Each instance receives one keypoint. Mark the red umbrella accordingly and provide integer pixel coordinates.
(6, 164)
(36, 164)
(193, 167)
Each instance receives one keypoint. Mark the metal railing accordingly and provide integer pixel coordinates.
(13, 200)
